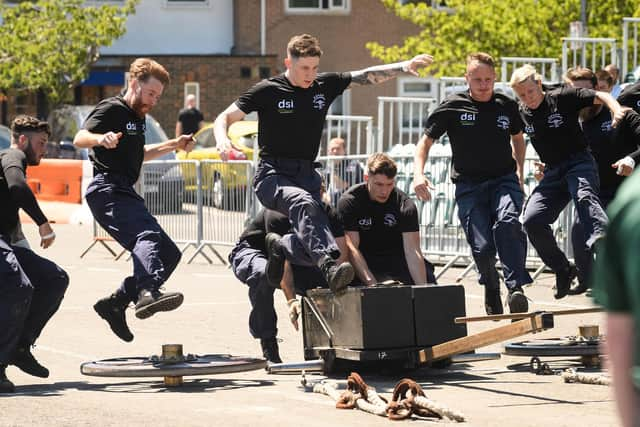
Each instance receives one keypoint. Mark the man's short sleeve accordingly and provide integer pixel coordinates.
(251, 100)
(436, 123)
(347, 212)
(578, 98)
(515, 118)
(409, 216)
(100, 119)
(335, 224)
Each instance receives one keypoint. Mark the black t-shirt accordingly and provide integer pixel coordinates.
(609, 144)
(13, 173)
(479, 133)
(190, 118)
(380, 225)
(270, 221)
(630, 97)
(290, 118)
(113, 114)
(553, 127)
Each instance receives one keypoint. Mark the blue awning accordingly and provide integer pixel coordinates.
(104, 78)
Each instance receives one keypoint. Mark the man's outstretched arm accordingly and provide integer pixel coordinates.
(382, 73)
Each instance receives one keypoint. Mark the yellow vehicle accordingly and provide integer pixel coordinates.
(223, 184)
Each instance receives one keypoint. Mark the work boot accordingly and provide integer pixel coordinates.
(270, 349)
(24, 360)
(517, 301)
(563, 281)
(492, 301)
(151, 302)
(581, 288)
(112, 309)
(275, 259)
(6, 386)
(338, 276)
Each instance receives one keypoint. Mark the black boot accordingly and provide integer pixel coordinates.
(112, 309)
(581, 288)
(6, 386)
(492, 301)
(151, 302)
(517, 301)
(338, 276)
(24, 360)
(563, 281)
(270, 349)
(275, 259)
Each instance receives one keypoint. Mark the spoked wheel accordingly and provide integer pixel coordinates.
(155, 366)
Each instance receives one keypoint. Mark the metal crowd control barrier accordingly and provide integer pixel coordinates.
(357, 132)
(547, 67)
(589, 52)
(401, 120)
(629, 45)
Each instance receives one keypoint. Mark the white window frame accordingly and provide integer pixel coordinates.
(172, 4)
(345, 9)
(188, 86)
(402, 92)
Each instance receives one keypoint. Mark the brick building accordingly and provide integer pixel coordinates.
(213, 49)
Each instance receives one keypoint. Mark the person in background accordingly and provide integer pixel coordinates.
(190, 119)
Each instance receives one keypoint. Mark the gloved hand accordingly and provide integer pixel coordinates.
(294, 311)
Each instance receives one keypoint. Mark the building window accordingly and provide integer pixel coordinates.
(317, 6)
(192, 88)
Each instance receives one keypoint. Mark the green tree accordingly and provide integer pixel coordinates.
(525, 28)
(49, 45)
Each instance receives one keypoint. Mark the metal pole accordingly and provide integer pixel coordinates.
(263, 27)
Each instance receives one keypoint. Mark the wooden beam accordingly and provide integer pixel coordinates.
(537, 322)
(526, 315)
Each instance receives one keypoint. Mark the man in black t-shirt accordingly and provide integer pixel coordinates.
(115, 131)
(382, 229)
(616, 151)
(190, 119)
(31, 287)
(291, 109)
(570, 173)
(251, 265)
(487, 143)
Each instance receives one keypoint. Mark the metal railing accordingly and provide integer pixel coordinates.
(629, 45)
(401, 120)
(547, 67)
(357, 131)
(589, 52)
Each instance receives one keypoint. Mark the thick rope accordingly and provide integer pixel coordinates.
(571, 376)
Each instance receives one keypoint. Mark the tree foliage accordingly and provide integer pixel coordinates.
(523, 28)
(49, 45)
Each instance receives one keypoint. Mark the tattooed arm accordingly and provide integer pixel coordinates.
(382, 73)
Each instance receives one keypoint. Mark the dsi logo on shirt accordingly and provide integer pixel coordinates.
(468, 119)
(132, 128)
(555, 120)
(365, 223)
(503, 122)
(319, 101)
(285, 106)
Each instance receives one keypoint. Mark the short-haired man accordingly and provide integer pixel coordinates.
(552, 122)
(382, 228)
(115, 131)
(341, 173)
(616, 151)
(485, 132)
(292, 108)
(31, 287)
(190, 119)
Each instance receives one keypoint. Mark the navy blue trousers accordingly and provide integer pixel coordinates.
(248, 265)
(31, 290)
(489, 212)
(575, 179)
(121, 212)
(292, 187)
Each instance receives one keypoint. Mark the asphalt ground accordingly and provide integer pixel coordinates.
(214, 319)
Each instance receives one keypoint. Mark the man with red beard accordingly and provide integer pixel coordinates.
(115, 130)
(31, 287)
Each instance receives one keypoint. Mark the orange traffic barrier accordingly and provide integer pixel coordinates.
(56, 180)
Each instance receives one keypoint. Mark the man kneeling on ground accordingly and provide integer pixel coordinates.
(382, 229)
